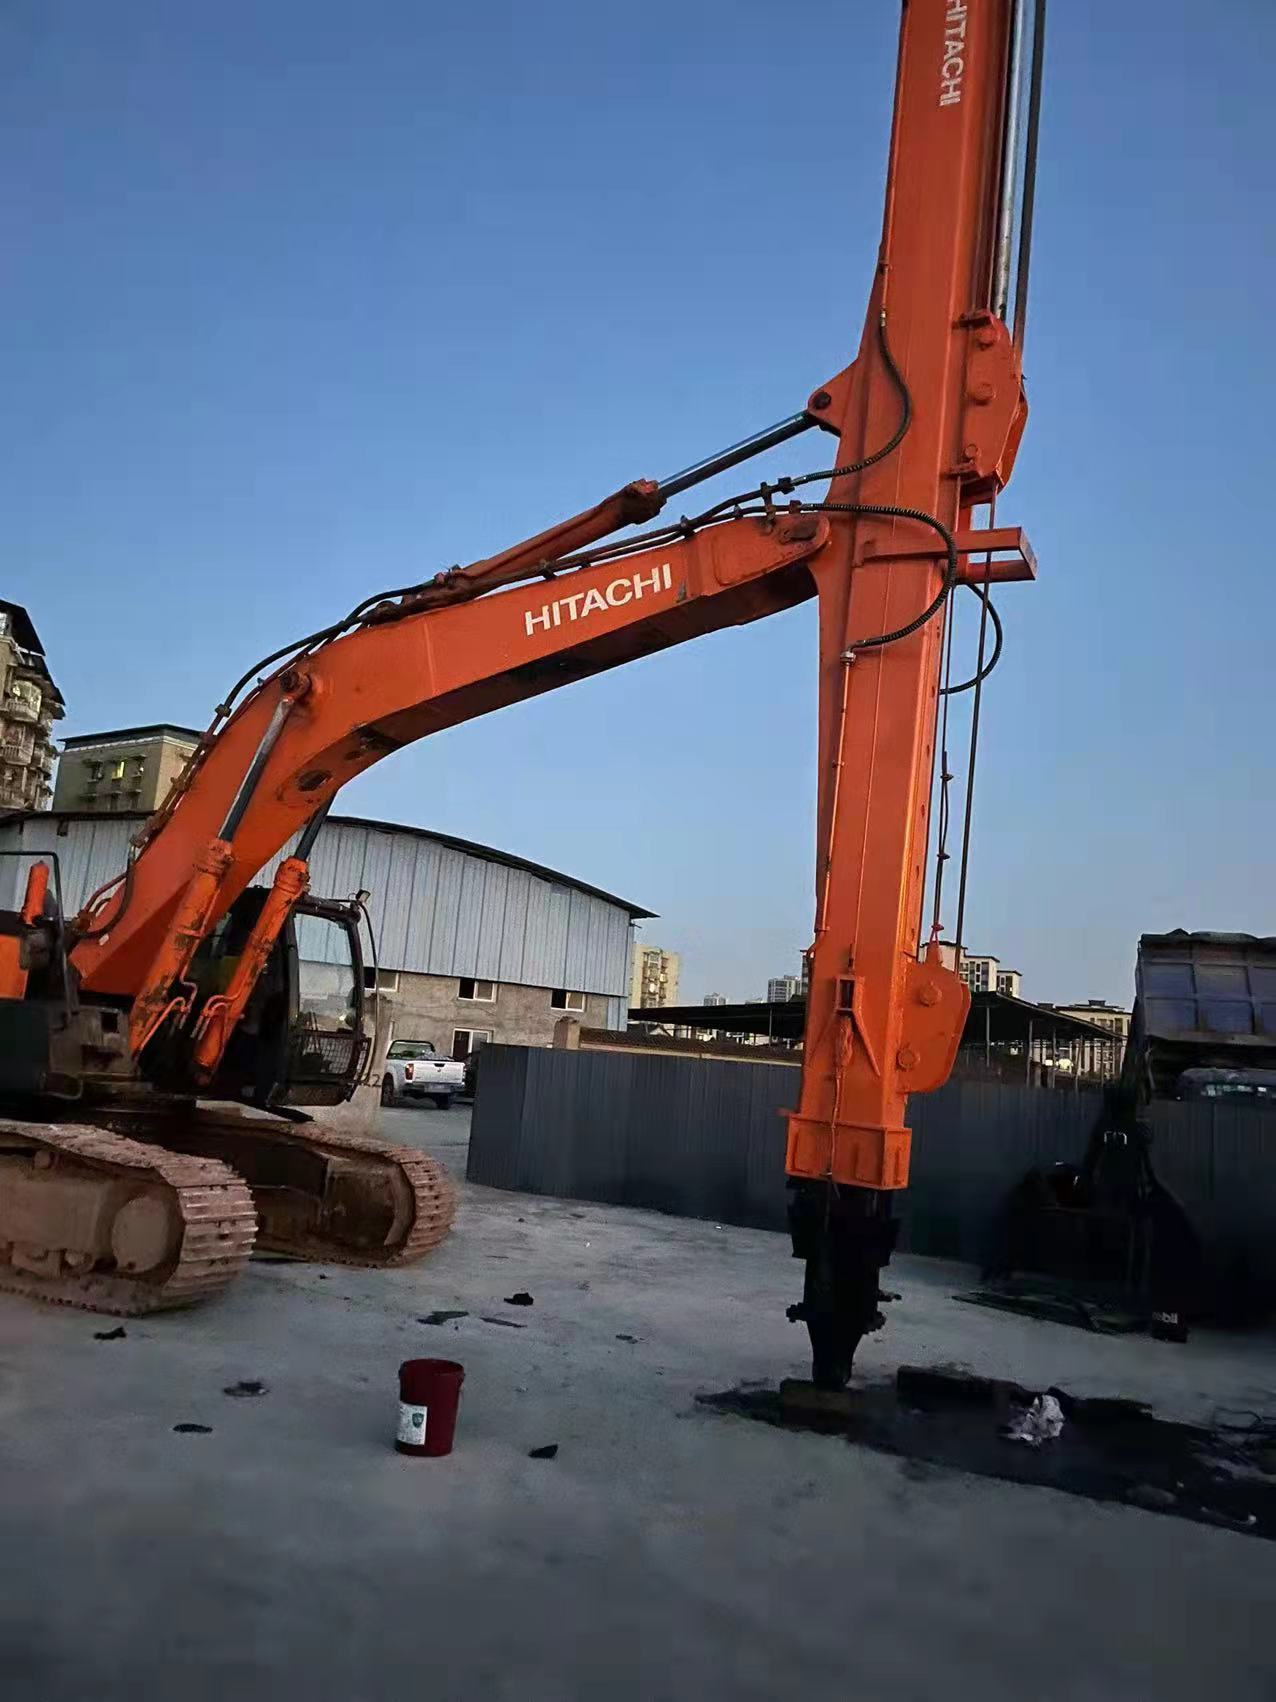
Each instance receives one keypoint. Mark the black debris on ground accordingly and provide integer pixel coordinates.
(626, 1338)
(1109, 1449)
(548, 1452)
(246, 1386)
(505, 1323)
(441, 1317)
(522, 1298)
(193, 1429)
(116, 1335)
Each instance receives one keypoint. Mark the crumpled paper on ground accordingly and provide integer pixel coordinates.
(1041, 1422)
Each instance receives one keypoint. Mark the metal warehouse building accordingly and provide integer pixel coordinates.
(473, 944)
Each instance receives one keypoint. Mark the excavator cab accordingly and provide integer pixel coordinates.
(301, 1040)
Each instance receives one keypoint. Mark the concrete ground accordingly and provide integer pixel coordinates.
(667, 1552)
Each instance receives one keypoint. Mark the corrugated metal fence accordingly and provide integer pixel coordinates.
(704, 1138)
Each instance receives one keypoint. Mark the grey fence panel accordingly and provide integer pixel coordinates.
(972, 1142)
(1183, 1143)
(1221, 1162)
(705, 1138)
(503, 1098)
(696, 1139)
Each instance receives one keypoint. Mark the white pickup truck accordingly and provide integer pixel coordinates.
(414, 1070)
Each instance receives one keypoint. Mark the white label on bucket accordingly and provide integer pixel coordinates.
(412, 1424)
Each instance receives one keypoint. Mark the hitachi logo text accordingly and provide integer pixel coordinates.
(953, 68)
(631, 589)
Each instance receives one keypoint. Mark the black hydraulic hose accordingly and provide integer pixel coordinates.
(945, 776)
(787, 428)
(320, 637)
(728, 508)
(791, 482)
(937, 602)
(901, 430)
(981, 674)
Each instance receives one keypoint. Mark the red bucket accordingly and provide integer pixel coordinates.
(429, 1394)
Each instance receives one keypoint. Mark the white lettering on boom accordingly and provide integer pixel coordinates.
(581, 604)
(953, 66)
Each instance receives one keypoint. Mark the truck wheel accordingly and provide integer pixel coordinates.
(387, 1090)
(442, 1100)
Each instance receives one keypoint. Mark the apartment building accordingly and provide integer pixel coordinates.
(128, 768)
(653, 978)
(29, 705)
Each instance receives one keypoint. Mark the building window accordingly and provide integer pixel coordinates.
(563, 1000)
(117, 770)
(94, 770)
(380, 980)
(481, 992)
(467, 1040)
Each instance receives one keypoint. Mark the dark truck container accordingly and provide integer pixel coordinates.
(1204, 1019)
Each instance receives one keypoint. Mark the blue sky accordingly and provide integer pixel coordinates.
(303, 299)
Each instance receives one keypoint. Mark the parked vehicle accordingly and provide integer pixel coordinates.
(415, 1070)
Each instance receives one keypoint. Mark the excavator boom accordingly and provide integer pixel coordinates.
(927, 421)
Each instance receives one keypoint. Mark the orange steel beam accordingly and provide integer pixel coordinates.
(1005, 555)
(881, 1023)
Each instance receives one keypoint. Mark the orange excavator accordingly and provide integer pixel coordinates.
(182, 987)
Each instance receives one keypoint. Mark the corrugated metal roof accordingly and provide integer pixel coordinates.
(439, 905)
(471, 847)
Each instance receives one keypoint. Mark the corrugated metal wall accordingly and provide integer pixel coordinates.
(437, 910)
(89, 853)
(705, 1138)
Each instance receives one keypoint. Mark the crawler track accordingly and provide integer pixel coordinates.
(212, 1222)
(325, 1195)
